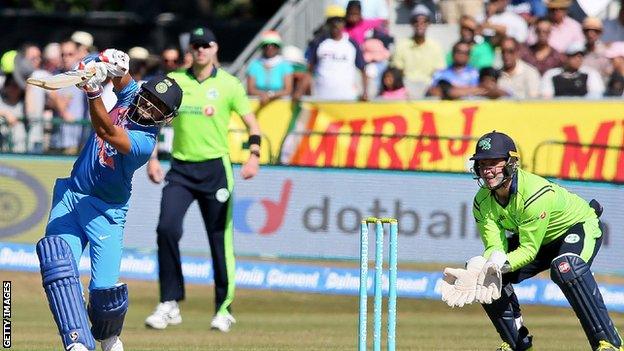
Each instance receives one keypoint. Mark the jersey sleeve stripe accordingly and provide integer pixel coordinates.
(538, 193)
(537, 196)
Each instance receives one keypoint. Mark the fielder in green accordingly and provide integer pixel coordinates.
(528, 225)
(201, 170)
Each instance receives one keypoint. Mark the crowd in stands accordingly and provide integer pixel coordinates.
(34, 120)
(522, 49)
(515, 49)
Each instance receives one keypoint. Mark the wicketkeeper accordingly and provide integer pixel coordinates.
(90, 206)
(551, 229)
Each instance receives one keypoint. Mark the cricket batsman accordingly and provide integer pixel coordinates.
(90, 206)
(551, 229)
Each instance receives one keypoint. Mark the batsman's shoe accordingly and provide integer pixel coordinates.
(77, 347)
(222, 322)
(607, 346)
(112, 344)
(166, 313)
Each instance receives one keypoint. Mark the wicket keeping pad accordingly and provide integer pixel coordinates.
(61, 283)
(576, 281)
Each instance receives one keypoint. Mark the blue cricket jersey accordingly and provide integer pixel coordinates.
(101, 170)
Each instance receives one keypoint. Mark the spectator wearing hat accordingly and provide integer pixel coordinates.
(614, 28)
(519, 79)
(418, 57)
(52, 57)
(565, 30)
(69, 107)
(573, 79)
(541, 55)
(504, 22)
(452, 10)
(138, 66)
(615, 85)
(302, 79)
(270, 77)
(84, 41)
(359, 29)
(335, 61)
(482, 51)
(595, 48)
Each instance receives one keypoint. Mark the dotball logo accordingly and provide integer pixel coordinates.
(246, 208)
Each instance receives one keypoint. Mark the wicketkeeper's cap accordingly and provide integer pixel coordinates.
(494, 145)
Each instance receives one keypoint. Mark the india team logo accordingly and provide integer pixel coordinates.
(485, 144)
(161, 87)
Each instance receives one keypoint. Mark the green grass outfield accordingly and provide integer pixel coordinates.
(269, 320)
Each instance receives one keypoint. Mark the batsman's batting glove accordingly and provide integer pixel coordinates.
(93, 85)
(117, 62)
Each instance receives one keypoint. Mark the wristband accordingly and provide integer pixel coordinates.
(254, 139)
(94, 94)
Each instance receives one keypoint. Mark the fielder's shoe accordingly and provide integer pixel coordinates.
(166, 313)
(606, 346)
(77, 347)
(222, 322)
(112, 344)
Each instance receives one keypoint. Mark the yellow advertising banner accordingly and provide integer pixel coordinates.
(566, 139)
(274, 120)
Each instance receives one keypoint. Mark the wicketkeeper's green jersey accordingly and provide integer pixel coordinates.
(538, 211)
(200, 132)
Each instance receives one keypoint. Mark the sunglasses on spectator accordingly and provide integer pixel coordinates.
(462, 52)
(170, 60)
(270, 44)
(508, 50)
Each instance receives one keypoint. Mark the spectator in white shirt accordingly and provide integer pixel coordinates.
(518, 78)
(573, 79)
(504, 22)
(335, 61)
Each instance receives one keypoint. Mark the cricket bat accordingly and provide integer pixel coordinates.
(62, 80)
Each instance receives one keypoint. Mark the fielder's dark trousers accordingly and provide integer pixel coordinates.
(186, 182)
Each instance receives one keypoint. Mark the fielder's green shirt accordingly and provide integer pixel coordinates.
(538, 211)
(200, 132)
